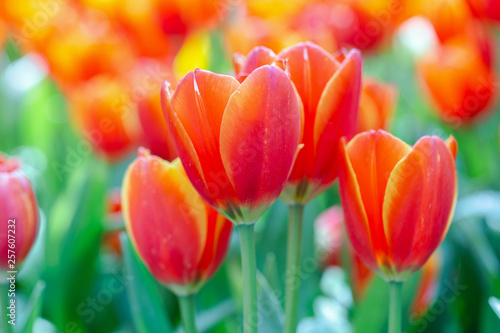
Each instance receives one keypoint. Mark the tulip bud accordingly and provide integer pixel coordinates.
(329, 90)
(236, 141)
(398, 201)
(18, 214)
(329, 234)
(181, 239)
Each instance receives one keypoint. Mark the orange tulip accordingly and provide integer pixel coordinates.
(459, 77)
(449, 17)
(104, 113)
(398, 201)
(18, 214)
(330, 92)
(236, 141)
(181, 239)
(485, 9)
(146, 82)
(376, 105)
(329, 235)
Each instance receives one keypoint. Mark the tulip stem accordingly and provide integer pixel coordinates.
(249, 271)
(395, 314)
(292, 278)
(187, 306)
(4, 303)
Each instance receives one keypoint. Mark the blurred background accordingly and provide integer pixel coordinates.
(79, 93)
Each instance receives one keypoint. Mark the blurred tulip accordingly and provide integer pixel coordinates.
(104, 113)
(328, 231)
(449, 17)
(459, 76)
(180, 238)
(140, 21)
(329, 234)
(398, 201)
(177, 17)
(330, 92)
(146, 80)
(114, 219)
(237, 141)
(485, 9)
(427, 289)
(376, 106)
(18, 214)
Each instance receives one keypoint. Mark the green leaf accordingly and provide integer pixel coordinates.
(148, 311)
(75, 228)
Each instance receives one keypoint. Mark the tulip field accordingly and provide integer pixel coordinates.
(310, 166)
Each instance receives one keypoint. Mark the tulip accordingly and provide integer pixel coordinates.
(329, 236)
(181, 240)
(459, 77)
(376, 105)
(449, 17)
(330, 92)
(237, 143)
(146, 80)
(398, 203)
(104, 112)
(18, 215)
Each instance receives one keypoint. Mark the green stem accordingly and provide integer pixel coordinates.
(294, 241)
(395, 312)
(249, 271)
(187, 306)
(4, 303)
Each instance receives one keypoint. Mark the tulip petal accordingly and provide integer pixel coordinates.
(419, 201)
(452, 145)
(373, 156)
(178, 217)
(199, 101)
(356, 220)
(259, 56)
(260, 134)
(183, 144)
(310, 69)
(219, 232)
(336, 116)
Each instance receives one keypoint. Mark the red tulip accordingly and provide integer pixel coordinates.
(397, 200)
(330, 92)
(236, 141)
(18, 214)
(329, 234)
(376, 105)
(180, 238)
